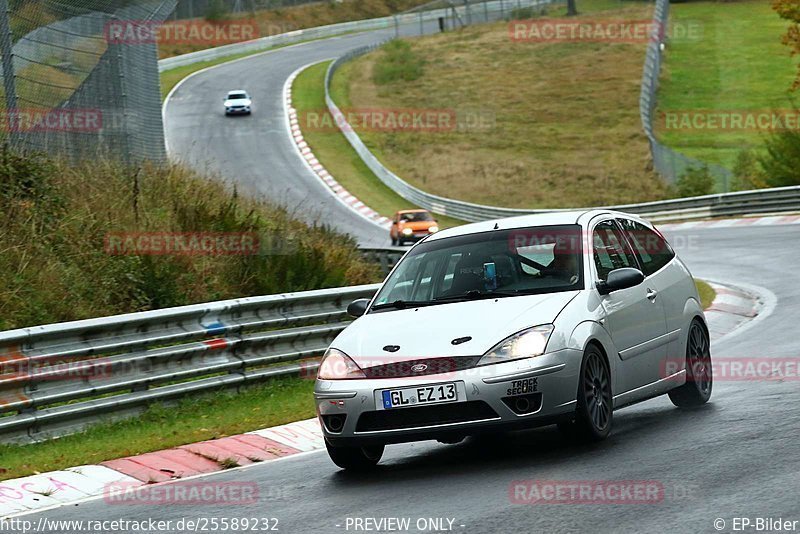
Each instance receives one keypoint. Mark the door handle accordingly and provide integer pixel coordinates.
(652, 294)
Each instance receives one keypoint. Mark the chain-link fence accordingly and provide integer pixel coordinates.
(80, 77)
(669, 163)
(452, 14)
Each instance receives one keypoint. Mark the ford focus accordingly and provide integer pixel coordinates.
(557, 318)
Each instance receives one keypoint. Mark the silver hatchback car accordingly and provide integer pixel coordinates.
(544, 319)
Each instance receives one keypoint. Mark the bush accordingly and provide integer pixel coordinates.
(781, 164)
(695, 182)
(56, 218)
(747, 174)
(397, 63)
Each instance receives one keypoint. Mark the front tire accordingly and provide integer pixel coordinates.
(355, 458)
(594, 414)
(699, 377)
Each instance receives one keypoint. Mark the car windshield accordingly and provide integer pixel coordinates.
(416, 216)
(500, 263)
(237, 96)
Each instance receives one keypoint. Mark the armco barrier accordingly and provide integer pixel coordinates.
(486, 12)
(728, 204)
(55, 379)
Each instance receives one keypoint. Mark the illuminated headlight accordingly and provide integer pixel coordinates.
(407, 231)
(433, 229)
(336, 365)
(526, 344)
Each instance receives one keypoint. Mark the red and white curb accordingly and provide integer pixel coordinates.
(315, 166)
(736, 309)
(771, 220)
(76, 484)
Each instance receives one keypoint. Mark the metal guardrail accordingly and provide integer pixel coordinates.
(774, 200)
(58, 378)
(486, 12)
(727, 204)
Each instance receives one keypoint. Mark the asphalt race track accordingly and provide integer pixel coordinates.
(735, 457)
(256, 152)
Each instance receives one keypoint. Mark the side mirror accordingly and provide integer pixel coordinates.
(357, 308)
(620, 279)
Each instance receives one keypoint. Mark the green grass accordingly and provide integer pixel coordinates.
(56, 266)
(562, 126)
(204, 417)
(335, 153)
(738, 63)
(707, 293)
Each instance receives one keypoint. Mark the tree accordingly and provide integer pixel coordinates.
(572, 9)
(781, 164)
(790, 10)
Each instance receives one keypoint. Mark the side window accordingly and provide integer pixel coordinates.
(653, 251)
(610, 249)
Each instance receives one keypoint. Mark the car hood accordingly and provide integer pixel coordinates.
(428, 332)
(238, 101)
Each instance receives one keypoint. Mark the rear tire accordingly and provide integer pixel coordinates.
(594, 413)
(699, 375)
(355, 458)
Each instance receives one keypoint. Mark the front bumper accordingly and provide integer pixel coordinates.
(237, 111)
(486, 402)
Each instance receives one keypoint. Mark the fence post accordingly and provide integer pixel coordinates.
(9, 81)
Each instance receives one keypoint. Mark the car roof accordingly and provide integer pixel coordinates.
(237, 92)
(550, 218)
(413, 211)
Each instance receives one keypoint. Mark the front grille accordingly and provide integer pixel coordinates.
(399, 418)
(435, 366)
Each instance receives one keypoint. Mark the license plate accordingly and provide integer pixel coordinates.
(419, 395)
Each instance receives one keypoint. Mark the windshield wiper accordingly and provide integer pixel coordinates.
(403, 304)
(475, 294)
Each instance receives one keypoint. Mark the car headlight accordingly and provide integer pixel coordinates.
(433, 229)
(336, 365)
(407, 231)
(526, 344)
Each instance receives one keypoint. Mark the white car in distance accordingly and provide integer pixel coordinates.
(238, 103)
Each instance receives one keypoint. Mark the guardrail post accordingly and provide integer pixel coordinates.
(396, 27)
(421, 24)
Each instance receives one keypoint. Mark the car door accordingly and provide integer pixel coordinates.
(664, 274)
(635, 322)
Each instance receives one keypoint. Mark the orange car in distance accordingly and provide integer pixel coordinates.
(412, 225)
